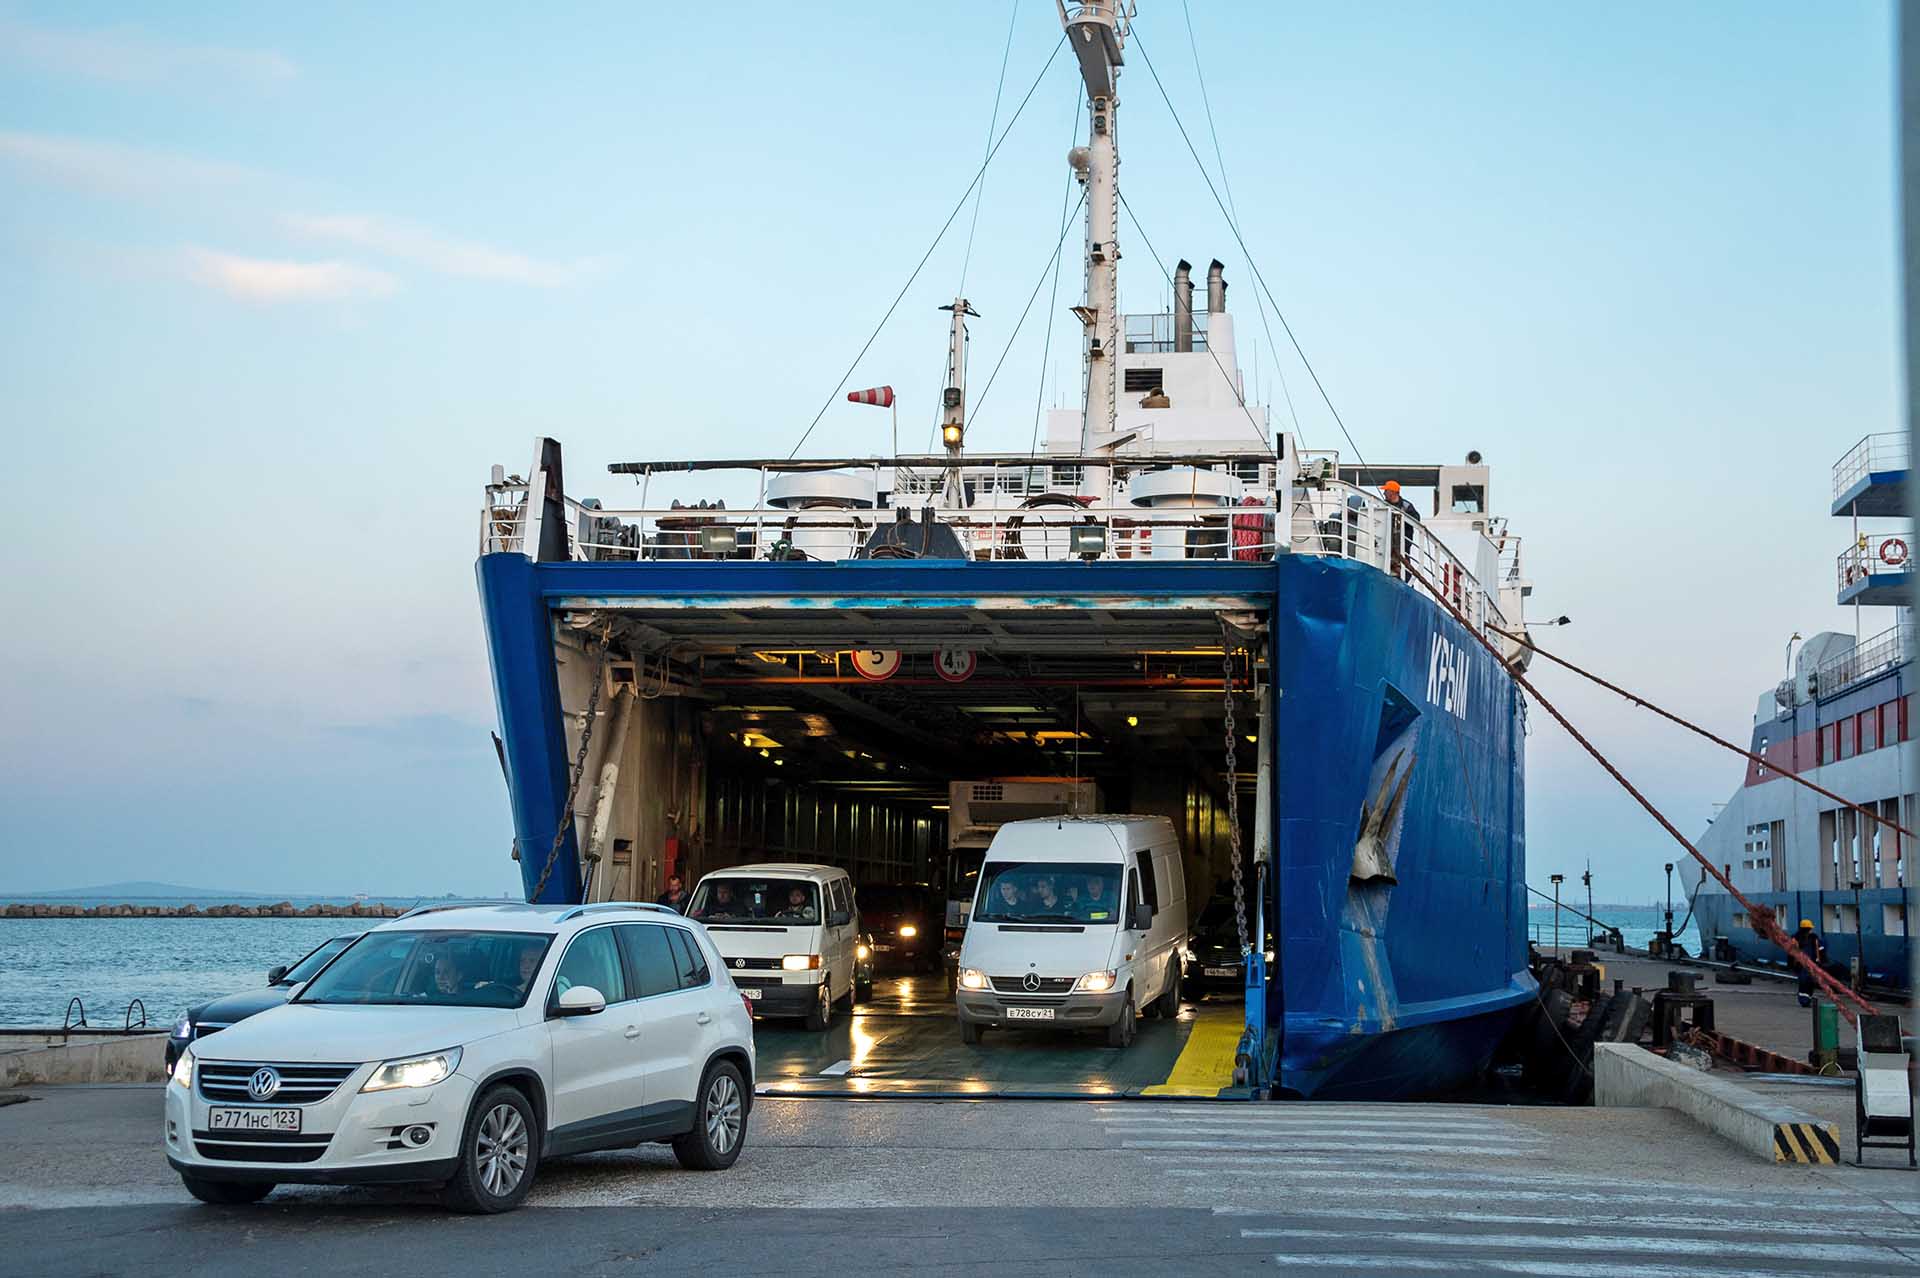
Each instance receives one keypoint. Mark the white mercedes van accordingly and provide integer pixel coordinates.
(1077, 923)
(787, 934)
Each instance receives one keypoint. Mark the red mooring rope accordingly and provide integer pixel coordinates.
(1762, 921)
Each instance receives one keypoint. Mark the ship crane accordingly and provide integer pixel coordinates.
(1097, 30)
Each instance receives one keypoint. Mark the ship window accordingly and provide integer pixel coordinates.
(1869, 728)
(1849, 744)
(1144, 379)
(1469, 499)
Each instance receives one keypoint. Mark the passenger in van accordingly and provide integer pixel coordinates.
(1045, 900)
(798, 906)
(1010, 902)
(722, 906)
(1095, 905)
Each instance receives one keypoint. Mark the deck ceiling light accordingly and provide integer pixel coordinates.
(719, 540)
(1089, 540)
(950, 434)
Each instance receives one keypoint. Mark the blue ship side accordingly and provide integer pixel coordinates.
(1393, 989)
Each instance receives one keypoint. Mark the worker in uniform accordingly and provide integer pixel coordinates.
(1399, 510)
(1808, 942)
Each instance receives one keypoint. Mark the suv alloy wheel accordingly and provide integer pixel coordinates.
(498, 1154)
(719, 1121)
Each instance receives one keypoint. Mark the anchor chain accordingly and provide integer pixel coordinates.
(579, 764)
(1233, 798)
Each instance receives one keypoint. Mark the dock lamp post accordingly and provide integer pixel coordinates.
(1558, 879)
(1586, 877)
(1669, 905)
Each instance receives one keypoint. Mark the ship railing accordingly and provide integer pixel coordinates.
(1876, 454)
(1888, 650)
(1330, 518)
(1874, 555)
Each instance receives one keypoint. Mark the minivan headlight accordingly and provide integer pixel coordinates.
(414, 1071)
(1095, 983)
(799, 962)
(183, 1070)
(972, 978)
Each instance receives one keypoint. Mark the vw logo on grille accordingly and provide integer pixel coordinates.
(264, 1083)
(1030, 982)
(739, 962)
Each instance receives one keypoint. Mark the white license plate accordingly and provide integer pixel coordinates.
(254, 1120)
(752, 992)
(1223, 971)
(883, 949)
(1029, 1013)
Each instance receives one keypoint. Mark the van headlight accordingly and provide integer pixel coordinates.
(415, 1071)
(972, 978)
(183, 1070)
(1094, 983)
(799, 962)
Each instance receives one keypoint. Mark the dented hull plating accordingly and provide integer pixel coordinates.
(1401, 840)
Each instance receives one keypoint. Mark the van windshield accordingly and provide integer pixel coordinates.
(1049, 892)
(743, 899)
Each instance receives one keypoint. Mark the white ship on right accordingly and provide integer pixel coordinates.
(1845, 720)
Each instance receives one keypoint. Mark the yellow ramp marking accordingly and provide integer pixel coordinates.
(1206, 1062)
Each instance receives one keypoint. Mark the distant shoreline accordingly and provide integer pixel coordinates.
(276, 910)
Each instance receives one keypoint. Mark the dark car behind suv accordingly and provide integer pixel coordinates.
(1211, 960)
(908, 923)
(219, 1013)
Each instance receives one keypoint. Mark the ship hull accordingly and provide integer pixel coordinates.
(1883, 944)
(1398, 977)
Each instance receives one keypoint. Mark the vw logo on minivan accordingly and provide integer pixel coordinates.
(264, 1083)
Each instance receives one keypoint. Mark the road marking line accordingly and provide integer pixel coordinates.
(1682, 1224)
(1503, 1187)
(1329, 1129)
(1547, 1268)
(1205, 1064)
(1558, 1242)
(1339, 1169)
(1334, 1146)
(836, 1069)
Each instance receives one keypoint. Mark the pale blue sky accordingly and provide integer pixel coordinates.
(280, 284)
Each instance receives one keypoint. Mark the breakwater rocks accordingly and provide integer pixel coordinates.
(278, 910)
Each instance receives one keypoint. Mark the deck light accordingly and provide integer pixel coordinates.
(1088, 540)
(719, 540)
(1133, 721)
(950, 434)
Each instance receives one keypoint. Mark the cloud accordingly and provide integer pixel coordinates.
(443, 253)
(113, 169)
(253, 279)
(125, 56)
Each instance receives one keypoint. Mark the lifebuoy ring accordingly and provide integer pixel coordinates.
(1893, 552)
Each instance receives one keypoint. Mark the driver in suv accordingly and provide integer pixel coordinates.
(460, 1045)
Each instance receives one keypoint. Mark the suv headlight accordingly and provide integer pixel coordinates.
(183, 1028)
(972, 978)
(1094, 983)
(414, 1071)
(183, 1070)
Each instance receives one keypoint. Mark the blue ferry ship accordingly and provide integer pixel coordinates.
(1844, 719)
(789, 659)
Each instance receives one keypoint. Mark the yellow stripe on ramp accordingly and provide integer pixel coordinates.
(1206, 1062)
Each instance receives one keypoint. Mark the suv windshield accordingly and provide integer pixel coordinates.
(433, 969)
(1049, 892)
(306, 967)
(754, 900)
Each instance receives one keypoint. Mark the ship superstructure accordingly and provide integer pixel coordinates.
(1166, 597)
(1845, 720)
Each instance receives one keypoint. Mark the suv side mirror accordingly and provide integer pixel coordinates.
(581, 1000)
(1142, 917)
(839, 918)
(275, 973)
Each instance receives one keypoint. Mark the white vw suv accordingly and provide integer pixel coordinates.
(460, 1045)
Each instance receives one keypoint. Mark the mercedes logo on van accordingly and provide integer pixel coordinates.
(264, 1083)
(1030, 982)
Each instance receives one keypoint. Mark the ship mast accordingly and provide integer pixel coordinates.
(1097, 29)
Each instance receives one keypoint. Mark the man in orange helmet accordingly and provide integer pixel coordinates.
(1402, 510)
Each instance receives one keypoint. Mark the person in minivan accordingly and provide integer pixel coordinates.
(1094, 904)
(1045, 900)
(1010, 902)
(799, 906)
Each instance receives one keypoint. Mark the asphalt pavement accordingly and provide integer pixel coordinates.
(1066, 1187)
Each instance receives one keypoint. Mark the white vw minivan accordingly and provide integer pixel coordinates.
(787, 934)
(1077, 923)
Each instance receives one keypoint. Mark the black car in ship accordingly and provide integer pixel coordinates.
(217, 1014)
(1211, 960)
(908, 923)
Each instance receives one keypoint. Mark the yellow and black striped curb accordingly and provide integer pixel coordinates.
(1806, 1143)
